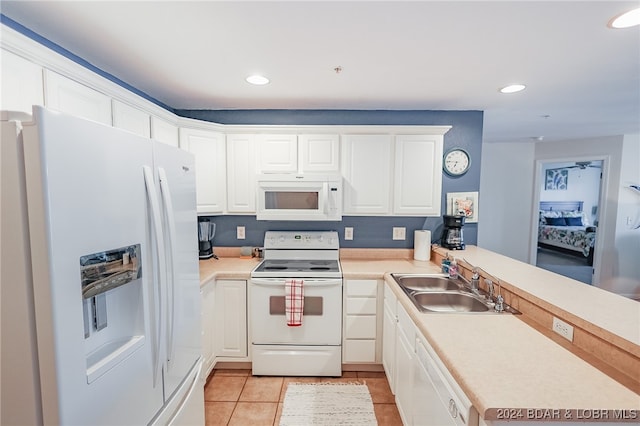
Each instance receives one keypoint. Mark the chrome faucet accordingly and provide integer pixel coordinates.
(489, 284)
(475, 279)
(499, 300)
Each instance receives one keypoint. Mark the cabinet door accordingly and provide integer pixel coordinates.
(164, 132)
(418, 175)
(278, 153)
(366, 168)
(319, 153)
(404, 379)
(22, 84)
(231, 319)
(241, 174)
(208, 324)
(71, 97)
(389, 324)
(131, 119)
(209, 150)
(389, 346)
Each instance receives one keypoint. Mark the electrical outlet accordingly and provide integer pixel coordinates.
(348, 233)
(563, 329)
(240, 232)
(399, 233)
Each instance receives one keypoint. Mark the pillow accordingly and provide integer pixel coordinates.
(576, 213)
(556, 221)
(551, 213)
(573, 221)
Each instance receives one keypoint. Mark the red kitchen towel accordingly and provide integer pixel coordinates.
(293, 302)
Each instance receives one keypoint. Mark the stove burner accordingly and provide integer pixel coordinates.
(320, 268)
(275, 268)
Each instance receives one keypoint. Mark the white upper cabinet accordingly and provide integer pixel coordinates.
(305, 153)
(241, 173)
(164, 132)
(319, 153)
(21, 82)
(418, 175)
(208, 147)
(366, 168)
(71, 97)
(131, 119)
(277, 153)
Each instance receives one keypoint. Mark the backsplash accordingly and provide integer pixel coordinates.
(368, 231)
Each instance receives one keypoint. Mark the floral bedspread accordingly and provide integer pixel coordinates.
(570, 237)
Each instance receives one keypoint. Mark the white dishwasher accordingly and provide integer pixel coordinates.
(438, 400)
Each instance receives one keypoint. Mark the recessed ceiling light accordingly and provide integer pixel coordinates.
(258, 80)
(512, 88)
(626, 20)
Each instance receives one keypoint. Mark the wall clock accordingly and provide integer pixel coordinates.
(456, 162)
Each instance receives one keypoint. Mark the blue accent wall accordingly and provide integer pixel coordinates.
(369, 231)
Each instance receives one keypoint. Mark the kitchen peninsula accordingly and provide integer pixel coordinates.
(505, 362)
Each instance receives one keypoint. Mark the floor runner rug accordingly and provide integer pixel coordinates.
(327, 404)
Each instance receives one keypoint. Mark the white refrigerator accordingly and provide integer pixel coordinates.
(107, 295)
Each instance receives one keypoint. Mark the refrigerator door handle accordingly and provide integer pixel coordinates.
(171, 284)
(161, 265)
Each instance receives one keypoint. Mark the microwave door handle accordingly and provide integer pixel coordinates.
(325, 197)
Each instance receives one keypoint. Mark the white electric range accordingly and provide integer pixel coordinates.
(314, 348)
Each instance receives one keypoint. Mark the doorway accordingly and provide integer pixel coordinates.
(569, 200)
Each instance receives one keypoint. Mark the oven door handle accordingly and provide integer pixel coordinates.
(311, 282)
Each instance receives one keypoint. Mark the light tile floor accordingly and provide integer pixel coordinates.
(236, 398)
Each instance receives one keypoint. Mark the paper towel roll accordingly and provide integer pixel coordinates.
(422, 244)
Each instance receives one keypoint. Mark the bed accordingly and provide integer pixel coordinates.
(563, 226)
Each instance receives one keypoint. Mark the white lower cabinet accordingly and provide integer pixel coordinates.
(360, 325)
(389, 322)
(207, 293)
(405, 354)
(230, 316)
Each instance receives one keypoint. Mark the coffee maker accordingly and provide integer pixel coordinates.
(452, 232)
(206, 232)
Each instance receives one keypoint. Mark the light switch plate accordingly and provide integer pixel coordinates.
(240, 233)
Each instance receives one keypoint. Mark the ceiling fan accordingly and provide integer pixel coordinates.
(583, 165)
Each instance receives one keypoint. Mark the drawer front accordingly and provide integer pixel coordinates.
(360, 327)
(361, 305)
(359, 351)
(363, 288)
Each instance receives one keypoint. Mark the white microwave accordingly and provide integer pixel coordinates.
(299, 197)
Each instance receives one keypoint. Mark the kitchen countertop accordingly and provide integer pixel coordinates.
(502, 363)
(499, 360)
(226, 268)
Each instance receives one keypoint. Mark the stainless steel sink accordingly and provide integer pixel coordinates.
(439, 293)
(426, 282)
(448, 301)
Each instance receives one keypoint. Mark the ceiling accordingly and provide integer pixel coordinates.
(583, 78)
